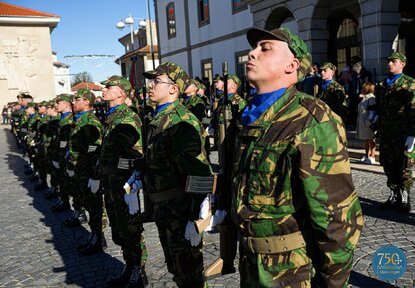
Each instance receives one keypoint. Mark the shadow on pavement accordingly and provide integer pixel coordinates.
(360, 280)
(371, 208)
(83, 271)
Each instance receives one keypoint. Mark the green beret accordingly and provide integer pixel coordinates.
(64, 97)
(43, 103)
(119, 81)
(173, 71)
(328, 65)
(295, 43)
(235, 79)
(397, 55)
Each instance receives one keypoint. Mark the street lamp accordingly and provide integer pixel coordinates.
(143, 24)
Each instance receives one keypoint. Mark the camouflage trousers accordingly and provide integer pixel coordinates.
(53, 173)
(126, 229)
(184, 261)
(92, 202)
(41, 164)
(397, 165)
(289, 269)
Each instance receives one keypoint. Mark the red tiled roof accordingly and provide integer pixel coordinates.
(7, 9)
(90, 86)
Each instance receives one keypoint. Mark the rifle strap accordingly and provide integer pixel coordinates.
(274, 244)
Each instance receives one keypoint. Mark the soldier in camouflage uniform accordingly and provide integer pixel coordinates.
(64, 107)
(31, 124)
(332, 92)
(50, 139)
(41, 162)
(84, 148)
(175, 151)
(293, 197)
(24, 100)
(121, 144)
(192, 102)
(396, 108)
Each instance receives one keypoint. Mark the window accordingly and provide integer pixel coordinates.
(207, 69)
(203, 8)
(171, 20)
(123, 70)
(240, 59)
(238, 5)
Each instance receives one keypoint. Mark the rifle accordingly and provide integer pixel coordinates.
(148, 205)
(228, 233)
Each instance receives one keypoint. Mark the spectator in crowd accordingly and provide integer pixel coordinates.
(365, 120)
(5, 115)
(359, 76)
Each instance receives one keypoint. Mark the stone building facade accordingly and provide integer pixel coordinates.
(26, 63)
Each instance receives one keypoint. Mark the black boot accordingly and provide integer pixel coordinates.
(61, 206)
(138, 278)
(94, 246)
(53, 193)
(34, 177)
(72, 221)
(405, 206)
(123, 278)
(41, 185)
(392, 201)
(85, 243)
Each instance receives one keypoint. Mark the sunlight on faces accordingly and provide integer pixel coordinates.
(270, 61)
(191, 90)
(232, 87)
(80, 104)
(163, 90)
(110, 93)
(62, 106)
(396, 66)
(327, 74)
(219, 85)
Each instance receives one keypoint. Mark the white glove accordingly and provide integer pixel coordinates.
(55, 164)
(204, 208)
(216, 219)
(131, 199)
(409, 143)
(70, 173)
(133, 178)
(93, 185)
(191, 234)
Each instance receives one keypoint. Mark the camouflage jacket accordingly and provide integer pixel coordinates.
(292, 173)
(23, 118)
(334, 96)
(32, 127)
(121, 142)
(195, 105)
(176, 150)
(85, 144)
(396, 107)
(41, 126)
(50, 138)
(64, 133)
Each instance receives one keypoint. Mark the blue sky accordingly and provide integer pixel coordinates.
(88, 27)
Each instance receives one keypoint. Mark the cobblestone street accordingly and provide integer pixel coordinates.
(37, 250)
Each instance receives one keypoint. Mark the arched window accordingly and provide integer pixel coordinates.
(344, 40)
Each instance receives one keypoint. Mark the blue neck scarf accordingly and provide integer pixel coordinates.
(259, 104)
(325, 83)
(64, 114)
(31, 115)
(79, 114)
(392, 78)
(21, 108)
(252, 90)
(185, 98)
(112, 109)
(218, 91)
(160, 108)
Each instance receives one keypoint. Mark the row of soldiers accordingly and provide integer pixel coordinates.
(284, 188)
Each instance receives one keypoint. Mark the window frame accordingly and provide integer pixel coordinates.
(243, 7)
(202, 67)
(171, 35)
(199, 13)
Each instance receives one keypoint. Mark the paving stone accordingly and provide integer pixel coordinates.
(36, 250)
